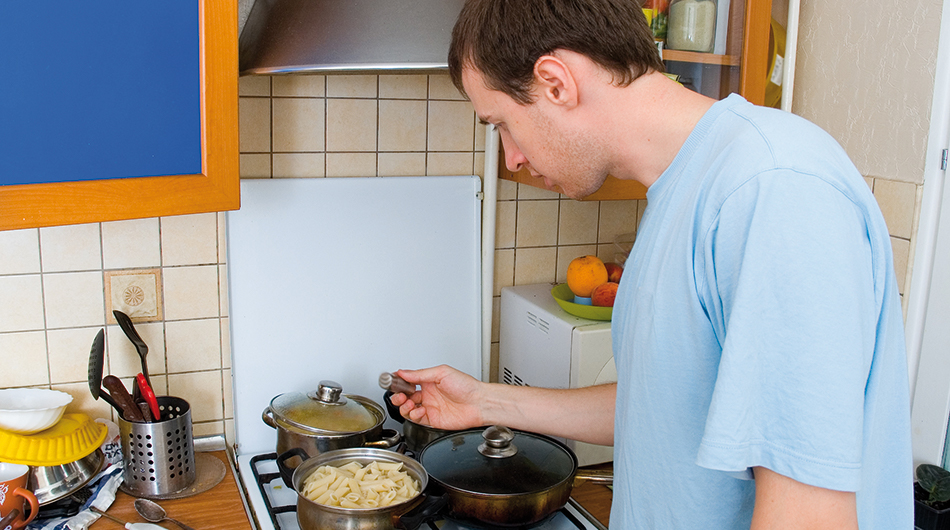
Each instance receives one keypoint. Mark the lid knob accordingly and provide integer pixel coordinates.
(498, 442)
(328, 392)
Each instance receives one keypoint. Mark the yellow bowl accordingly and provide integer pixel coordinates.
(73, 437)
(565, 298)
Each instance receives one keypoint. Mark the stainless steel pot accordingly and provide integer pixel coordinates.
(52, 483)
(504, 477)
(326, 419)
(313, 516)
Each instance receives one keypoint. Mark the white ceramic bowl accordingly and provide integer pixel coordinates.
(30, 410)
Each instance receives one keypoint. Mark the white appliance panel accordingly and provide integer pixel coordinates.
(344, 278)
(542, 345)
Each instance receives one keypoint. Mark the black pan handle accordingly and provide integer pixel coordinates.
(287, 473)
(426, 511)
(392, 409)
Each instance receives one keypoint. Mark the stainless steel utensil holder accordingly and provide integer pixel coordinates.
(159, 457)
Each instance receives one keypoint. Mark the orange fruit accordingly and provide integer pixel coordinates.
(584, 274)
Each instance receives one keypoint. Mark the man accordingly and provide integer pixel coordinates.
(757, 331)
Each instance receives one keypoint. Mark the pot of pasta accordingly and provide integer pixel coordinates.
(360, 488)
(327, 419)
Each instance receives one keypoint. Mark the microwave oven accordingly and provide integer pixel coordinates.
(542, 345)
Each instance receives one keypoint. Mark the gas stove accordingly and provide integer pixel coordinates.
(274, 505)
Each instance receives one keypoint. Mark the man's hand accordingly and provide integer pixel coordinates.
(782, 503)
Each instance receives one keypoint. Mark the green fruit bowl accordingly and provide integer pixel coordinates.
(565, 298)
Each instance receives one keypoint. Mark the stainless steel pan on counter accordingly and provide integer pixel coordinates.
(326, 419)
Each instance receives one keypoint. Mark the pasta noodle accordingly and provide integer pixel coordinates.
(352, 485)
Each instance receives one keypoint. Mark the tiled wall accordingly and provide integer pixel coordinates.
(52, 299)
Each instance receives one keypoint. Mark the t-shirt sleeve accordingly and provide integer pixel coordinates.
(788, 285)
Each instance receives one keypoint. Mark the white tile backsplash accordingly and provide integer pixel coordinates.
(131, 244)
(73, 299)
(71, 248)
(20, 251)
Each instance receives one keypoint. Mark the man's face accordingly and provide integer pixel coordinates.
(535, 137)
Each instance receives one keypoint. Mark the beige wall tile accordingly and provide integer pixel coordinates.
(228, 393)
(536, 224)
(479, 168)
(351, 125)
(189, 239)
(299, 165)
(21, 303)
(449, 163)
(123, 358)
(299, 125)
(223, 304)
(83, 402)
(222, 237)
(254, 125)
(24, 359)
(352, 86)
(495, 320)
(351, 164)
(21, 251)
(209, 428)
(71, 248)
(901, 249)
(69, 354)
(402, 125)
(577, 222)
(535, 265)
(403, 86)
(451, 126)
(300, 85)
(73, 299)
(897, 201)
(505, 216)
(479, 133)
(193, 345)
(401, 164)
(131, 244)
(254, 85)
(255, 166)
(504, 270)
(507, 190)
(530, 192)
(202, 390)
(191, 292)
(441, 87)
(567, 254)
(616, 219)
(225, 343)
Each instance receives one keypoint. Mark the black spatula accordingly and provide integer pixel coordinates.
(96, 357)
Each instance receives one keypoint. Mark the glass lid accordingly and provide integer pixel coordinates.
(324, 410)
(498, 460)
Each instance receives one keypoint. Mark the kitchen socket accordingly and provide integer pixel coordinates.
(135, 293)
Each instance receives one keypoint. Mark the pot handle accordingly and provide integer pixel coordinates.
(597, 476)
(287, 473)
(268, 417)
(390, 438)
(415, 517)
(392, 409)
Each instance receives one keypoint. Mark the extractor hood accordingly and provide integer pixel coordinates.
(345, 36)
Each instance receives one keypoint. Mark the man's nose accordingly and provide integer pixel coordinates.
(514, 159)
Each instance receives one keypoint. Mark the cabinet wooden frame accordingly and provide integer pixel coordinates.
(752, 63)
(215, 188)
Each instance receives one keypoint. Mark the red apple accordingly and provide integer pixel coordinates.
(604, 294)
(614, 272)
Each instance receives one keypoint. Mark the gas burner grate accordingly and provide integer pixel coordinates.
(263, 479)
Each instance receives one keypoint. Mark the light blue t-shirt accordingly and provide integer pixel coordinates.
(758, 323)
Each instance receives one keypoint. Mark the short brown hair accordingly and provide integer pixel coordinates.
(502, 39)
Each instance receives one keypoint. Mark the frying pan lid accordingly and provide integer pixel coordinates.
(482, 461)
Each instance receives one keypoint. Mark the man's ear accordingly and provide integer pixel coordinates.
(555, 82)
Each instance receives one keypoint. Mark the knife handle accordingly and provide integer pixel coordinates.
(130, 411)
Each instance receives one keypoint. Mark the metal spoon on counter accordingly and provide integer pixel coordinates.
(130, 526)
(153, 512)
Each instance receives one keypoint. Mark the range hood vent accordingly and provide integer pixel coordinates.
(347, 36)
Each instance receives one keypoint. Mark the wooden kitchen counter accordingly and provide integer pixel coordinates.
(220, 508)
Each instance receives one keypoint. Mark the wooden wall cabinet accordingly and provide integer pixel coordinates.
(211, 182)
(741, 70)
